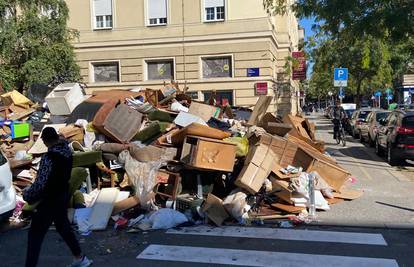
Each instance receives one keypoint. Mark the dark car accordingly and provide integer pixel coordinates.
(396, 137)
(358, 118)
(368, 131)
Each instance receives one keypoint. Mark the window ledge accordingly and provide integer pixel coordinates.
(214, 20)
(157, 25)
(103, 29)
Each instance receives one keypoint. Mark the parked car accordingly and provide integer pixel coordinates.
(368, 131)
(396, 136)
(358, 118)
(7, 192)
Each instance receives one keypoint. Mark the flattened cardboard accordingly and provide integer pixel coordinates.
(215, 210)
(287, 208)
(332, 174)
(348, 194)
(204, 111)
(260, 109)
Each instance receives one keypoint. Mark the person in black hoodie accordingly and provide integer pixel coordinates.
(50, 193)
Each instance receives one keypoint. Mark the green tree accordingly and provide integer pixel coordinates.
(367, 59)
(378, 18)
(35, 43)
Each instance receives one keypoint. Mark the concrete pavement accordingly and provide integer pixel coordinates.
(388, 191)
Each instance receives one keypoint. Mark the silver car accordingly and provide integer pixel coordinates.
(368, 131)
(7, 191)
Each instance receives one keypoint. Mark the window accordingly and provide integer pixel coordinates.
(105, 72)
(157, 12)
(381, 115)
(162, 69)
(214, 10)
(103, 14)
(222, 98)
(217, 67)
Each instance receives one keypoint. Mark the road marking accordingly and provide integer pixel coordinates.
(256, 258)
(285, 234)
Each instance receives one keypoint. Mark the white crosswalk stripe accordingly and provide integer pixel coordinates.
(285, 234)
(242, 257)
(256, 258)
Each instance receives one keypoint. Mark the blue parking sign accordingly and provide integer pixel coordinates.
(340, 77)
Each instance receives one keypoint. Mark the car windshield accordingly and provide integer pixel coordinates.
(382, 115)
(408, 122)
(363, 114)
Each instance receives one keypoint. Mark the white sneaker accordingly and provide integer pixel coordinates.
(84, 262)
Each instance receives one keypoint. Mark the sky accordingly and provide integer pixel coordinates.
(307, 25)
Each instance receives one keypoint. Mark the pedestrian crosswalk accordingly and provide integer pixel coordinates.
(285, 234)
(251, 256)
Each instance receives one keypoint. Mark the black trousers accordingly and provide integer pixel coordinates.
(336, 127)
(41, 221)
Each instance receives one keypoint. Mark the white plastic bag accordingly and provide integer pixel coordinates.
(166, 219)
(142, 176)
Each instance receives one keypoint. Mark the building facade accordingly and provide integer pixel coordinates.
(232, 47)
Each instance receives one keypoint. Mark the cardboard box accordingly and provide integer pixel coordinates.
(207, 153)
(252, 178)
(204, 111)
(215, 210)
(334, 175)
(257, 154)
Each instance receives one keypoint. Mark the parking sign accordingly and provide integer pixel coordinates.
(341, 77)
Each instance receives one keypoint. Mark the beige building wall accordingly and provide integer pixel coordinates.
(251, 37)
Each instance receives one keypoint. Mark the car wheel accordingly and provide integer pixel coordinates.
(361, 138)
(378, 149)
(392, 159)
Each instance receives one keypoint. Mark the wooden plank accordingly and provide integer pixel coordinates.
(260, 109)
(102, 209)
(288, 208)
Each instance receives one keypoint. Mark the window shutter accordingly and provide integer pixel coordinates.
(102, 7)
(157, 9)
(213, 3)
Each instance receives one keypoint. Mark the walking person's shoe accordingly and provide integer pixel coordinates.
(84, 262)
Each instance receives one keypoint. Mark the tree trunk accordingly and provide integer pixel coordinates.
(358, 94)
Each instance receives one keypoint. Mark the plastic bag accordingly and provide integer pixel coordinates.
(237, 206)
(142, 176)
(166, 219)
(242, 144)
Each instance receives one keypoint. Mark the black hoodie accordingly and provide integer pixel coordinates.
(52, 181)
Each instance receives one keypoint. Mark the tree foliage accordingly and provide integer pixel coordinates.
(35, 43)
(378, 18)
(367, 59)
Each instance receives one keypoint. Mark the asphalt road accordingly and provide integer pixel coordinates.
(374, 230)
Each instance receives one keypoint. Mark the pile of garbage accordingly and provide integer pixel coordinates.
(152, 159)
